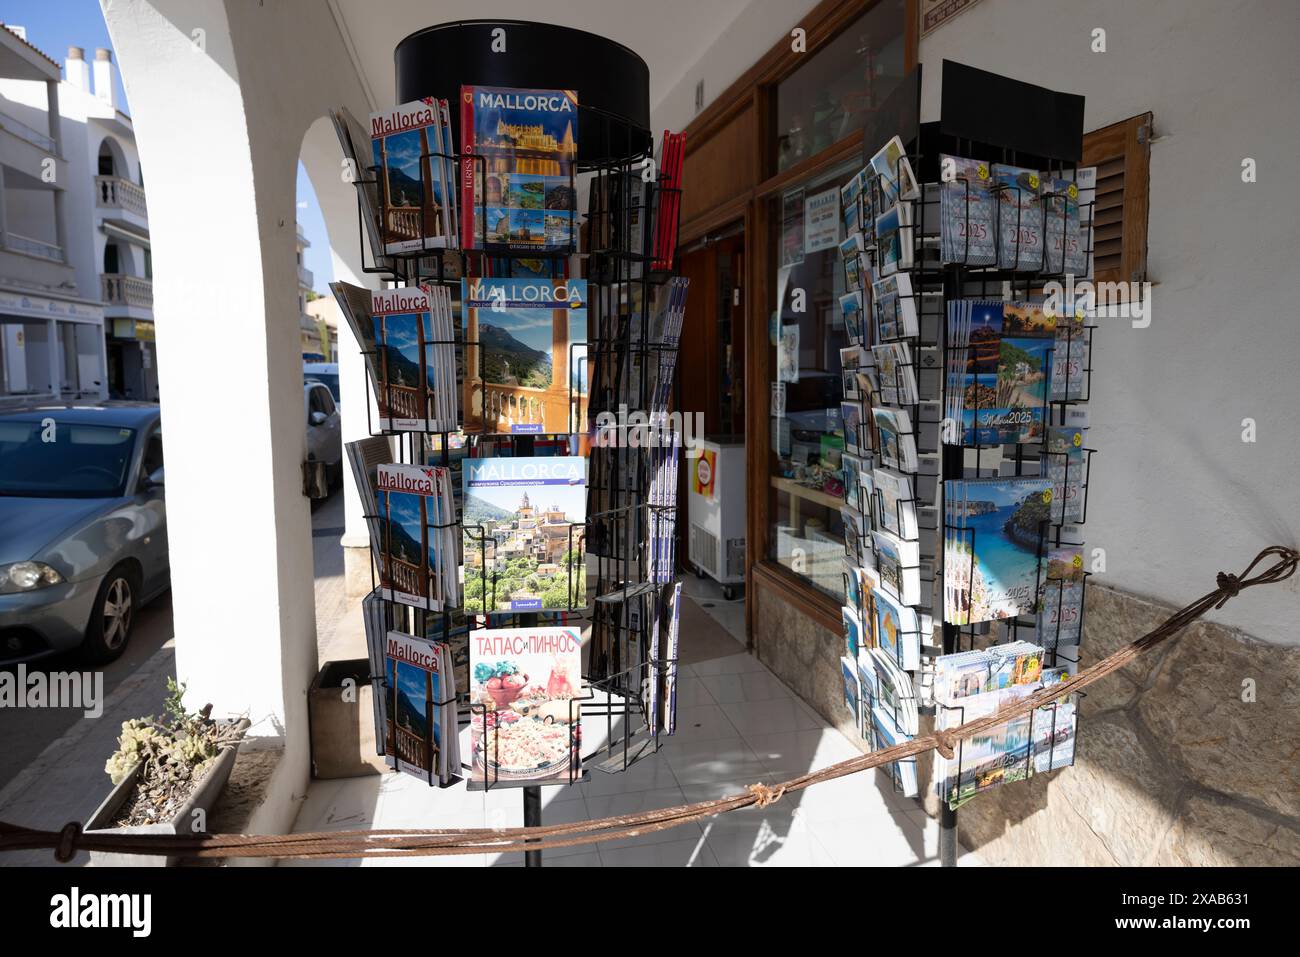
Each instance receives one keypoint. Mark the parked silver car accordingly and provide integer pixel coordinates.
(83, 527)
(324, 429)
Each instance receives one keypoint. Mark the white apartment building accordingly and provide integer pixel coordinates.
(76, 244)
(308, 328)
(325, 315)
(51, 319)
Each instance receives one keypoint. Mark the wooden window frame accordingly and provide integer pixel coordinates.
(756, 89)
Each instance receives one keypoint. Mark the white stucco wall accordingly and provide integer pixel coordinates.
(752, 34)
(1176, 496)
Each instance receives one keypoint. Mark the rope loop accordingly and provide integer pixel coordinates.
(765, 796)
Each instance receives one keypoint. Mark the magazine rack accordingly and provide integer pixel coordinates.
(622, 586)
(969, 128)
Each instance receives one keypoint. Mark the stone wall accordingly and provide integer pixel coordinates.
(1188, 756)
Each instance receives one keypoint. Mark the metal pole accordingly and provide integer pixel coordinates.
(532, 818)
(947, 836)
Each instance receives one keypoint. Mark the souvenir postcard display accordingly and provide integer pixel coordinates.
(957, 344)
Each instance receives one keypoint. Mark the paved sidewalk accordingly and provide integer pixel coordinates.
(738, 724)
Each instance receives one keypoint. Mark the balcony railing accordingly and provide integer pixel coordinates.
(305, 277)
(117, 193)
(34, 247)
(27, 134)
(119, 290)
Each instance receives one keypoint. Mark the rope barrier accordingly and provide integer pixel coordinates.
(324, 845)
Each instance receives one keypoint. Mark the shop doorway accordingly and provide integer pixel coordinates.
(713, 335)
(710, 390)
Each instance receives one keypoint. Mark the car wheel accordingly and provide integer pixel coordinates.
(113, 616)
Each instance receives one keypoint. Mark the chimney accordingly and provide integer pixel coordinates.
(78, 73)
(104, 89)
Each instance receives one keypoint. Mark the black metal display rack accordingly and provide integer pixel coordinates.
(976, 124)
(615, 154)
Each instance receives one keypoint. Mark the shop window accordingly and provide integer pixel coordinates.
(842, 84)
(806, 532)
(1121, 153)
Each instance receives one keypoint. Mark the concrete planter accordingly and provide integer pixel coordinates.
(343, 731)
(204, 796)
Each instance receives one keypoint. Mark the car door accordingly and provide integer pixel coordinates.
(331, 431)
(150, 499)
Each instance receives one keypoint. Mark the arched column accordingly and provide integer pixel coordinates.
(222, 96)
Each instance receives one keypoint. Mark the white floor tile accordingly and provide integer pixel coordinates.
(752, 718)
(647, 773)
(705, 722)
(692, 691)
(744, 686)
(728, 665)
(801, 751)
(684, 853)
(764, 838)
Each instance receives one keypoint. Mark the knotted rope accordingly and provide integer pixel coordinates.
(416, 843)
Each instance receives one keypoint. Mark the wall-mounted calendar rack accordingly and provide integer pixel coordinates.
(983, 258)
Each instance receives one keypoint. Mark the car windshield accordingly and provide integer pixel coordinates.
(330, 381)
(52, 459)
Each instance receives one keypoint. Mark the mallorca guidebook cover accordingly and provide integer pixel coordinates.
(526, 355)
(419, 703)
(525, 686)
(517, 181)
(413, 191)
(415, 515)
(524, 532)
(992, 538)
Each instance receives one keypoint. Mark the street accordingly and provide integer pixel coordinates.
(38, 746)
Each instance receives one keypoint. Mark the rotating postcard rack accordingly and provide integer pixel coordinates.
(627, 686)
(992, 120)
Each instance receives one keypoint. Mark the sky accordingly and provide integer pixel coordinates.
(54, 25)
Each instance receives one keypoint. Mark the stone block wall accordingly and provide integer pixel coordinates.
(1188, 756)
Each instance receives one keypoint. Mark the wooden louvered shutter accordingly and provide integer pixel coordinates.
(1122, 153)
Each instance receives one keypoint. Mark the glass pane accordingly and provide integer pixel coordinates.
(807, 334)
(832, 94)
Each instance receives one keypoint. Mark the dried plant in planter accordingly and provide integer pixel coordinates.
(174, 753)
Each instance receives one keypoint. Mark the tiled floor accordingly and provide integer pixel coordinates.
(737, 724)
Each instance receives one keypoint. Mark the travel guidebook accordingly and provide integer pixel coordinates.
(525, 725)
(526, 355)
(517, 181)
(523, 519)
(419, 708)
(417, 548)
(415, 194)
(414, 361)
(992, 537)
